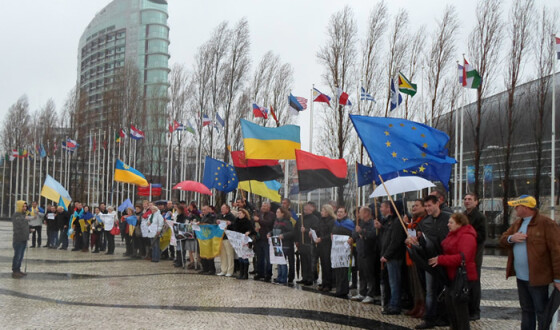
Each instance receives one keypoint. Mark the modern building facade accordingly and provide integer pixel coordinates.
(123, 71)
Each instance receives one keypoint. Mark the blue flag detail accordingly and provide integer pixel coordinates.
(366, 175)
(219, 175)
(395, 144)
(126, 204)
(428, 171)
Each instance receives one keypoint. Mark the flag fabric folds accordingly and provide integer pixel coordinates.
(428, 171)
(206, 120)
(320, 97)
(255, 169)
(320, 172)
(557, 41)
(260, 112)
(297, 103)
(126, 204)
(219, 175)
(209, 240)
(267, 189)
(145, 191)
(394, 144)
(343, 98)
(190, 127)
(270, 142)
(42, 151)
(273, 115)
(135, 133)
(365, 96)
(396, 97)
(54, 191)
(470, 77)
(126, 174)
(220, 120)
(366, 174)
(405, 86)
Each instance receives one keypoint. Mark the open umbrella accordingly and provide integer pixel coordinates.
(193, 186)
(402, 184)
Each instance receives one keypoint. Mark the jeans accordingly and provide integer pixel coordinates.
(52, 236)
(156, 252)
(394, 271)
(264, 268)
(37, 234)
(533, 301)
(289, 253)
(19, 251)
(63, 239)
(282, 274)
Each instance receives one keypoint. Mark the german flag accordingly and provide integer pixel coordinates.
(320, 172)
(255, 169)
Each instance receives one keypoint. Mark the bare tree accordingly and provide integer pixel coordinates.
(542, 48)
(417, 48)
(398, 42)
(371, 67)
(46, 124)
(440, 60)
(338, 58)
(15, 128)
(521, 16)
(484, 43)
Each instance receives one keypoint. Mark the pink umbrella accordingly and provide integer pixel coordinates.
(193, 186)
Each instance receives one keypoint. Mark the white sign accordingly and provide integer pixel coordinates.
(275, 250)
(240, 244)
(144, 228)
(108, 221)
(50, 216)
(313, 234)
(340, 251)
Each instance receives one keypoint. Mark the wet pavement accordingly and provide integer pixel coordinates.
(66, 289)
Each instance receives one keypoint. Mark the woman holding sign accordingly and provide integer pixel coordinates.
(243, 225)
(283, 229)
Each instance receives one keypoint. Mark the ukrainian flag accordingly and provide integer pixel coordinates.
(54, 191)
(270, 142)
(210, 240)
(268, 189)
(126, 174)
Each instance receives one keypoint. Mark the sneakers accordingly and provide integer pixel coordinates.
(228, 275)
(221, 274)
(367, 300)
(357, 297)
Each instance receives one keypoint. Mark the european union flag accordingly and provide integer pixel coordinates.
(428, 171)
(366, 175)
(395, 144)
(219, 175)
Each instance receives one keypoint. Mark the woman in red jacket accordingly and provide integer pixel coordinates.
(461, 238)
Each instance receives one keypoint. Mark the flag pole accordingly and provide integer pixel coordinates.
(394, 206)
(310, 135)
(455, 182)
(89, 169)
(28, 175)
(460, 191)
(553, 135)
(118, 200)
(10, 193)
(286, 177)
(35, 168)
(357, 187)
(17, 175)
(3, 184)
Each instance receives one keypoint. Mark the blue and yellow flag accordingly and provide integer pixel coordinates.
(126, 174)
(268, 189)
(210, 240)
(54, 191)
(270, 142)
(395, 144)
(219, 175)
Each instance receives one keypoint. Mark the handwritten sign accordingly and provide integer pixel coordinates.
(240, 244)
(275, 251)
(340, 251)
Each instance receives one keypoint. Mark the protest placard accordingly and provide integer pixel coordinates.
(240, 242)
(275, 251)
(340, 251)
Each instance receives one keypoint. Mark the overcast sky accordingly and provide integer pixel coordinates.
(40, 38)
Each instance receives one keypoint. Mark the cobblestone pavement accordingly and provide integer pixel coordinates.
(67, 289)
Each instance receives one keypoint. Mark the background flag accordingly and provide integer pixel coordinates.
(190, 127)
(260, 112)
(270, 142)
(297, 103)
(206, 120)
(406, 86)
(366, 175)
(320, 97)
(396, 98)
(320, 172)
(471, 78)
(395, 144)
(365, 96)
(255, 169)
(126, 174)
(220, 120)
(557, 40)
(135, 133)
(267, 189)
(126, 204)
(145, 191)
(54, 191)
(219, 175)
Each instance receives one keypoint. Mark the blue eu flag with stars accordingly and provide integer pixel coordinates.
(394, 144)
(219, 175)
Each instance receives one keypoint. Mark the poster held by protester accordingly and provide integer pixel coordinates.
(240, 244)
(340, 251)
(108, 221)
(275, 250)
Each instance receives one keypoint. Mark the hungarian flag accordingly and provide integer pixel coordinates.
(469, 77)
(320, 172)
(405, 86)
(260, 112)
(255, 169)
(135, 133)
(320, 97)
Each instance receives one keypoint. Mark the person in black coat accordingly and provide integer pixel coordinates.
(264, 221)
(342, 226)
(208, 218)
(324, 245)
(227, 254)
(366, 239)
(392, 254)
(243, 225)
(305, 244)
(478, 221)
(62, 219)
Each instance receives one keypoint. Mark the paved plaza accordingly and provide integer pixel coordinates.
(65, 289)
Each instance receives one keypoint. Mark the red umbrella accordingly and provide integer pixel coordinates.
(193, 186)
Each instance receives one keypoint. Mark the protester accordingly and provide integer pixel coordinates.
(414, 278)
(21, 231)
(52, 228)
(128, 219)
(208, 218)
(324, 245)
(478, 221)
(62, 219)
(533, 257)
(283, 230)
(304, 242)
(181, 241)
(458, 246)
(342, 226)
(365, 237)
(156, 222)
(243, 225)
(85, 225)
(37, 214)
(110, 238)
(97, 230)
(137, 242)
(287, 203)
(75, 225)
(264, 221)
(226, 254)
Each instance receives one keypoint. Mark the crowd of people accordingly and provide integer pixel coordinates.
(406, 263)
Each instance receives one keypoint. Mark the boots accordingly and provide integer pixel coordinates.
(241, 271)
(414, 310)
(421, 309)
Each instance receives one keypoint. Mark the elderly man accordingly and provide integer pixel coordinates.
(536, 264)
(304, 242)
(21, 235)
